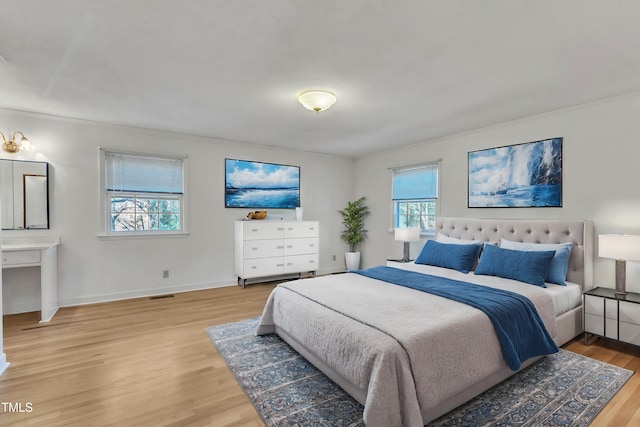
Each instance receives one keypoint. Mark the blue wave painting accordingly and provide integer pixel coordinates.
(523, 175)
(261, 185)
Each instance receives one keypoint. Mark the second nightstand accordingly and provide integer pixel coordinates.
(610, 316)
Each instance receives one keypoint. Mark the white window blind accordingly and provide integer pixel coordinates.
(144, 174)
(414, 183)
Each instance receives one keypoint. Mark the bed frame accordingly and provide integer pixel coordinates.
(580, 233)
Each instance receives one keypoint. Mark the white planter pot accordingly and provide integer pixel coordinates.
(352, 260)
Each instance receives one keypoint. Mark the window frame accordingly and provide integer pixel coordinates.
(106, 195)
(395, 216)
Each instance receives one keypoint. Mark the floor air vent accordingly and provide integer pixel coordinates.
(162, 296)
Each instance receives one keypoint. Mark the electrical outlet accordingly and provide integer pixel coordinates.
(165, 274)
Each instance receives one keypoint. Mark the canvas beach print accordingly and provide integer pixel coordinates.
(261, 185)
(522, 175)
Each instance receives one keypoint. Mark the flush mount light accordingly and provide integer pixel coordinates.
(317, 100)
(14, 145)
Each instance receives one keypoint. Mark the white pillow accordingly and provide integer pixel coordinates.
(441, 238)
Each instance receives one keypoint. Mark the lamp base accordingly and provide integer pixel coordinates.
(405, 254)
(621, 276)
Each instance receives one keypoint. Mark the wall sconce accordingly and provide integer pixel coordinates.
(15, 145)
(407, 235)
(622, 248)
(317, 100)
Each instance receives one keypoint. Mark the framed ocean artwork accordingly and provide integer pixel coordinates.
(260, 185)
(516, 176)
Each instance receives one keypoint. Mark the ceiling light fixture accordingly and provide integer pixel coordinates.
(317, 100)
(15, 145)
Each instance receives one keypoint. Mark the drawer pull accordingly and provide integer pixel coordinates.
(289, 246)
(279, 265)
(279, 247)
(253, 267)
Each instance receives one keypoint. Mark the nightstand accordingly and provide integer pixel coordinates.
(611, 316)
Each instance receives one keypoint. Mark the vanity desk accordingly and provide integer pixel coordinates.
(20, 252)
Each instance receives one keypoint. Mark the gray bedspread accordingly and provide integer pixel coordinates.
(407, 351)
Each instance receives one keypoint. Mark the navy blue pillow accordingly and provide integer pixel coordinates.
(454, 256)
(529, 267)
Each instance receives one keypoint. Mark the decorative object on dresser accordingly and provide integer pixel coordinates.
(622, 248)
(354, 233)
(407, 235)
(275, 248)
(257, 215)
(611, 315)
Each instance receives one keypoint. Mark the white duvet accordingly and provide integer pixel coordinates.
(405, 350)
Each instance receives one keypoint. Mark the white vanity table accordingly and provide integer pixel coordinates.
(36, 251)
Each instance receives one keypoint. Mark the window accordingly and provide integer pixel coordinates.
(143, 194)
(415, 196)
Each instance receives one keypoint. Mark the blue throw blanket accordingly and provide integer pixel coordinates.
(519, 328)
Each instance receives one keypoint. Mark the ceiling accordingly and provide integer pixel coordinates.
(403, 71)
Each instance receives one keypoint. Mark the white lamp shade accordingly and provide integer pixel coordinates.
(317, 100)
(619, 246)
(407, 234)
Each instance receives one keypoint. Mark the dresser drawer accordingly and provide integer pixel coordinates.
(629, 312)
(300, 263)
(301, 229)
(630, 333)
(594, 324)
(256, 230)
(263, 248)
(594, 305)
(263, 267)
(20, 258)
(301, 246)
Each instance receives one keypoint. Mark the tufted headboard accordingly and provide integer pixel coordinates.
(580, 233)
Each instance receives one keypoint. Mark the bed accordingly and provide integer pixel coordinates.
(410, 356)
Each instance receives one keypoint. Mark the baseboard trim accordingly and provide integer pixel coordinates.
(143, 293)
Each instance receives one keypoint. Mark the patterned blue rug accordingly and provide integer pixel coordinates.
(564, 389)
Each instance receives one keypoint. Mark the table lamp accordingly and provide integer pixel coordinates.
(407, 235)
(622, 248)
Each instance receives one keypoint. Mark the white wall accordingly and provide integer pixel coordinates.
(601, 167)
(93, 269)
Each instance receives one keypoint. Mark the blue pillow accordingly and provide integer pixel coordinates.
(454, 256)
(559, 265)
(527, 267)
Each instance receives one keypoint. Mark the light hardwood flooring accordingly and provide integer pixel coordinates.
(148, 362)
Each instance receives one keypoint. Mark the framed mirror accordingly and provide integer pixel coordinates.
(24, 188)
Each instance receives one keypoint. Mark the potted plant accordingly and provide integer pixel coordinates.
(354, 232)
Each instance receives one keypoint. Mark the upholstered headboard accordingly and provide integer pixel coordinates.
(580, 233)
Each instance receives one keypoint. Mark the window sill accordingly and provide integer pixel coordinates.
(138, 236)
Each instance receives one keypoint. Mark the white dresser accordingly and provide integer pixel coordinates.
(275, 248)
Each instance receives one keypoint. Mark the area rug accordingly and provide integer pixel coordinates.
(564, 389)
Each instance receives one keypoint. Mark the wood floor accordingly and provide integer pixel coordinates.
(148, 362)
